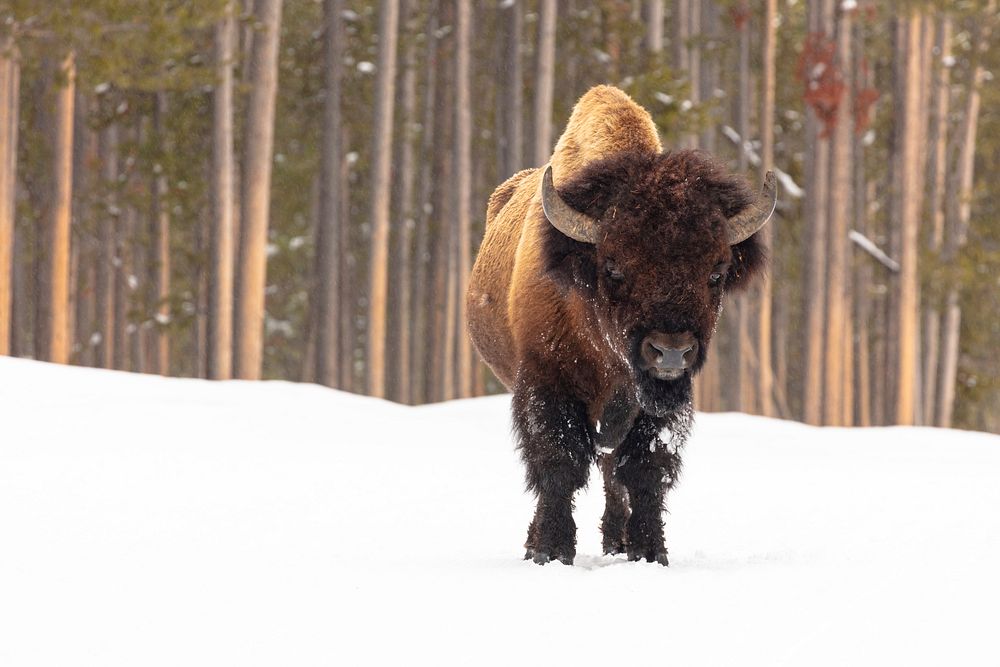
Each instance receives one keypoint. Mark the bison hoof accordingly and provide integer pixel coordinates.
(541, 558)
(614, 547)
(660, 557)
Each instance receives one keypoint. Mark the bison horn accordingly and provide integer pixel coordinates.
(578, 226)
(747, 222)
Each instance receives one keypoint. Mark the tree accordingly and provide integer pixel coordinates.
(256, 193)
(463, 190)
(56, 344)
(765, 375)
(220, 296)
(840, 204)
(9, 103)
(816, 209)
(910, 119)
(959, 213)
(385, 86)
(937, 172)
(545, 81)
(328, 234)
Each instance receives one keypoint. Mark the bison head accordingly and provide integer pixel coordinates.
(653, 241)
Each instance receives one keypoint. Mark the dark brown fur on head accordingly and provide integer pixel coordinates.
(662, 220)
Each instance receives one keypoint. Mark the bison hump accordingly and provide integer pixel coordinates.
(604, 121)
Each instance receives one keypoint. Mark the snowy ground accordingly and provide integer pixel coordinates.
(146, 521)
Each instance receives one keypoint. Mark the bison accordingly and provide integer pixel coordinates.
(593, 298)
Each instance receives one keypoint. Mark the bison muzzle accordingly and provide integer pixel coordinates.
(594, 298)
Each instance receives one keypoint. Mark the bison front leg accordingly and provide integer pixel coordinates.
(614, 523)
(647, 467)
(555, 444)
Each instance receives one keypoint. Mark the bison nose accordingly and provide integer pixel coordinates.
(669, 352)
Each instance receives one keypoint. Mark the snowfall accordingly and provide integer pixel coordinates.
(154, 521)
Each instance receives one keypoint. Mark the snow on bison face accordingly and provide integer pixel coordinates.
(652, 241)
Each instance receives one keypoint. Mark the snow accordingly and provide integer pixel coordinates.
(161, 521)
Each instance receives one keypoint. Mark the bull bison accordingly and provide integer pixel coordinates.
(594, 298)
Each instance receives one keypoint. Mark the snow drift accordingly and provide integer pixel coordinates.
(152, 521)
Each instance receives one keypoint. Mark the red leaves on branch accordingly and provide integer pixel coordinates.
(822, 78)
(740, 15)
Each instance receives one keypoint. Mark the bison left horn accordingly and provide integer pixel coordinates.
(578, 226)
(747, 222)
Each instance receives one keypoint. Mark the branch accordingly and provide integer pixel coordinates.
(788, 184)
(868, 246)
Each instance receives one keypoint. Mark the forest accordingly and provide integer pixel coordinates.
(264, 190)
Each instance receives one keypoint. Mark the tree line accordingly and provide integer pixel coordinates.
(246, 188)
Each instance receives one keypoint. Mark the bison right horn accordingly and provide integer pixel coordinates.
(578, 226)
(747, 222)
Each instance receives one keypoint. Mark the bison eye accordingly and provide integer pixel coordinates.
(613, 271)
(718, 273)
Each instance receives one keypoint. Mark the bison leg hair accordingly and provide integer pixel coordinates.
(555, 444)
(614, 523)
(647, 467)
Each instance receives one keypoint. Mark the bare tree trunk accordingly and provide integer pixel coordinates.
(816, 209)
(106, 255)
(959, 213)
(545, 81)
(937, 171)
(907, 307)
(9, 103)
(765, 374)
(743, 367)
(422, 339)
(400, 297)
(256, 194)
(839, 203)
(463, 192)
(348, 301)
(56, 344)
(513, 91)
(679, 40)
(385, 86)
(219, 325)
(161, 273)
(654, 26)
(328, 249)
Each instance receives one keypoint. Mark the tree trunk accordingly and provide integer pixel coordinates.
(839, 203)
(256, 194)
(545, 81)
(513, 91)
(742, 362)
(385, 86)
(161, 264)
(960, 212)
(106, 255)
(463, 192)
(328, 234)
(654, 26)
(56, 345)
(910, 118)
(401, 305)
(937, 170)
(9, 103)
(817, 163)
(422, 339)
(219, 325)
(765, 374)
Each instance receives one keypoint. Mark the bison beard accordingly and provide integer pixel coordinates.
(588, 296)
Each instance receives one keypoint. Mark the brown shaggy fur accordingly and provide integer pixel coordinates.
(560, 322)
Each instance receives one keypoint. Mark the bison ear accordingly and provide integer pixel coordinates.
(749, 260)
